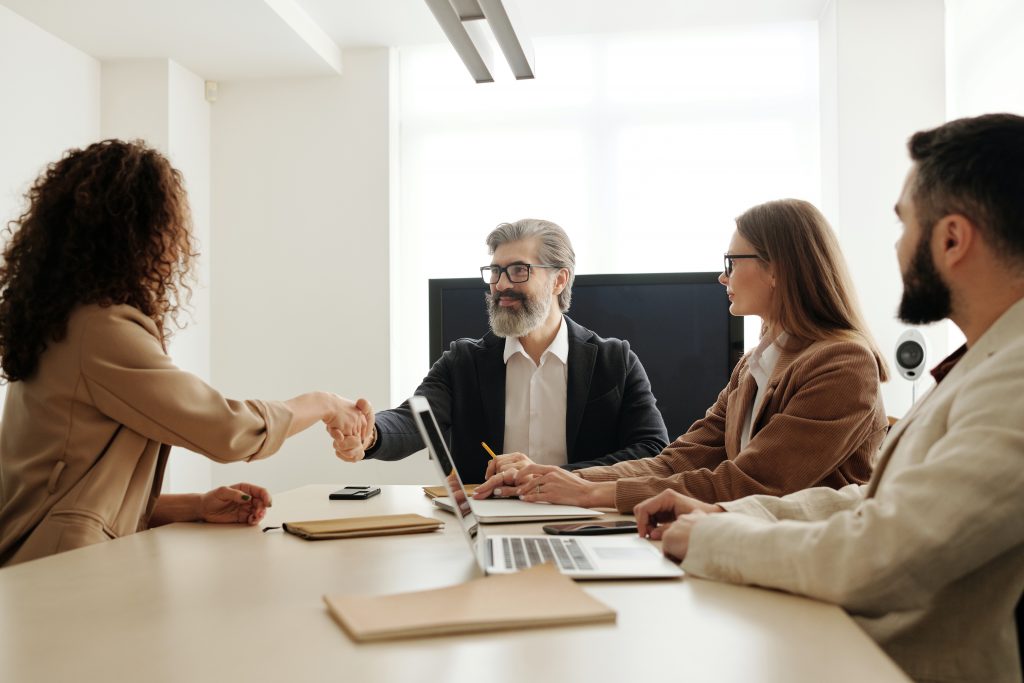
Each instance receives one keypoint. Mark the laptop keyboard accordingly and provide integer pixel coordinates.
(521, 553)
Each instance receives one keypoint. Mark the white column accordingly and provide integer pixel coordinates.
(882, 79)
(162, 103)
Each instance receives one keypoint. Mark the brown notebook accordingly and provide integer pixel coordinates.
(355, 527)
(440, 492)
(554, 600)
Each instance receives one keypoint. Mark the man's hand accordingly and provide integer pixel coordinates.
(676, 540)
(654, 514)
(506, 461)
(239, 504)
(501, 485)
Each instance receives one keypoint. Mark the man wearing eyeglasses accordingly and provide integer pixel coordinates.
(537, 386)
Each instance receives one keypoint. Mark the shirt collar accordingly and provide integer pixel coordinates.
(559, 346)
(765, 356)
(940, 371)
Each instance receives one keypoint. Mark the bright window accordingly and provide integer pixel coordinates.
(643, 147)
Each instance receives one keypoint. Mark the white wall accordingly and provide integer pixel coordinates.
(162, 103)
(882, 71)
(300, 215)
(189, 150)
(50, 95)
(985, 52)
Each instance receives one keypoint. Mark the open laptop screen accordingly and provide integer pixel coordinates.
(439, 450)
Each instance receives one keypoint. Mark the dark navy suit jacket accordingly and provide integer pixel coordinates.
(610, 411)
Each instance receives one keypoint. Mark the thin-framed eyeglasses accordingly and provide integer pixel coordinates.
(731, 258)
(516, 273)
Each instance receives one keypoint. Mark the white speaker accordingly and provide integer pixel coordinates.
(911, 354)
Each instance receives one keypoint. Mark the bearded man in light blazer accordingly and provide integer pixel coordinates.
(929, 556)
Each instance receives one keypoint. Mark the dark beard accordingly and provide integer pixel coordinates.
(510, 323)
(926, 298)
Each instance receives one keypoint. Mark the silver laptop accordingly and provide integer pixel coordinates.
(581, 557)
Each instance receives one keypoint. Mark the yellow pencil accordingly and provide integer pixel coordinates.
(488, 449)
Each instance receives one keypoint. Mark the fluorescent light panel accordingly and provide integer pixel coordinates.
(471, 54)
(518, 52)
(460, 21)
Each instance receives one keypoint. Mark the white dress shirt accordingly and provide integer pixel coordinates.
(760, 364)
(535, 397)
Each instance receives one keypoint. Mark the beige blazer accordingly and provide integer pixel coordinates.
(929, 557)
(85, 440)
(819, 423)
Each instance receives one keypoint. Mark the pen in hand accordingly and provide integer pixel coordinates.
(488, 449)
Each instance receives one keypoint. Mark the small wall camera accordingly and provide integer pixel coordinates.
(911, 354)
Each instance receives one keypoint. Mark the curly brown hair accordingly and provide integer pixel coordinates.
(107, 225)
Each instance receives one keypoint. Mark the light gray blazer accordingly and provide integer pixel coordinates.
(929, 556)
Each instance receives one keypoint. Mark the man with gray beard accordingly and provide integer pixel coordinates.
(537, 386)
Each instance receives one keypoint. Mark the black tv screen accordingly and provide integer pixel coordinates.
(677, 323)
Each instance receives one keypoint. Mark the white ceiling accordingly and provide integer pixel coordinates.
(241, 39)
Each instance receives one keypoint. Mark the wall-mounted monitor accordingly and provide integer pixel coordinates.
(677, 323)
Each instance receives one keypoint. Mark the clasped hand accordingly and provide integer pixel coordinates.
(351, 427)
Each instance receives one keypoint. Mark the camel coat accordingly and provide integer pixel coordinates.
(819, 424)
(85, 440)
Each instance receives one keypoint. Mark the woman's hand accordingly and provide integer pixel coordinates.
(350, 423)
(239, 504)
(349, 418)
(654, 514)
(550, 484)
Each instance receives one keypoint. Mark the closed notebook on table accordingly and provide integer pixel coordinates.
(473, 607)
(355, 527)
(441, 492)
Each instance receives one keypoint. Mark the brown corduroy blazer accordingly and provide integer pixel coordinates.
(85, 440)
(820, 423)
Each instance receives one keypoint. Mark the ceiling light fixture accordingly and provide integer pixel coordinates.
(461, 21)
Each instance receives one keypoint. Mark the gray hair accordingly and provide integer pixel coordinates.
(555, 247)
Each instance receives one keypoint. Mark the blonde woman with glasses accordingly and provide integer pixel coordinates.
(802, 409)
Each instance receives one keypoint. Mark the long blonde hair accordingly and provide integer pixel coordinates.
(814, 296)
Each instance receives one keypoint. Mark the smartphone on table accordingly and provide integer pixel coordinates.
(591, 528)
(355, 493)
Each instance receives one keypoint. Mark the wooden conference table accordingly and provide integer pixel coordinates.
(195, 602)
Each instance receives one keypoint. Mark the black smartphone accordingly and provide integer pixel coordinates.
(355, 493)
(623, 526)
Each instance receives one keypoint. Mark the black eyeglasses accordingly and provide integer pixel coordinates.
(516, 272)
(729, 261)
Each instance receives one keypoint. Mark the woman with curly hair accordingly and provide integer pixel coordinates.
(93, 274)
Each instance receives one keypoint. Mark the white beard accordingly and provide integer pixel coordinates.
(508, 322)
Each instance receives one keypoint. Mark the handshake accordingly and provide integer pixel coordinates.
(350, 425)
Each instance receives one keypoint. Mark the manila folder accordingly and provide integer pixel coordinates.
(478, 605)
